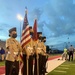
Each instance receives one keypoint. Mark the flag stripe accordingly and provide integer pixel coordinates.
(24, 31)
(28, 38)
(25, 40)
(25, 36)
(25, 43)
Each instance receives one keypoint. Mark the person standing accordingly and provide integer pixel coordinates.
(44, 55)
(12, 58)
(38, 55)
(71, 51)
(2, 51)
(28, 53)
(64, 54)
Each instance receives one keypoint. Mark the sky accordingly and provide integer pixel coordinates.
(56, 19)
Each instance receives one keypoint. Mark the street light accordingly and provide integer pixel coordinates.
(20, 18)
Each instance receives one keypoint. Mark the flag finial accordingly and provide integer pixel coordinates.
(26, 10)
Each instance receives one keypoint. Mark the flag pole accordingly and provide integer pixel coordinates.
(35, 39)
(24, 39)
(37, 65)
(27, 66)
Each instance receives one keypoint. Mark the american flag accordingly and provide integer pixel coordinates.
(25, 32)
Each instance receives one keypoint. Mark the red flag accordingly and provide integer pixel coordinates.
(35, 30)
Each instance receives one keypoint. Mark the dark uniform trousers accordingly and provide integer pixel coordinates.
(39, 63)
(71, 55)
(30, 65)
(12, 68)
(44, 60)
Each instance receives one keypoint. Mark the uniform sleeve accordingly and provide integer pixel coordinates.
(7, 43)
(44, 47)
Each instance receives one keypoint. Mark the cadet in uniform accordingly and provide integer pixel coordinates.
(28, 55)
(44, 56)
(38, 57)
(12, 57)
(64, 55)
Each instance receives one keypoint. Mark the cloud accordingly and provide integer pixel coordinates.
(4, 28)
(60, 14)
(4, 25)
(61, 17)
(36, 13)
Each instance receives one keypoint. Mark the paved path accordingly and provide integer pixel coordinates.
(52, 63)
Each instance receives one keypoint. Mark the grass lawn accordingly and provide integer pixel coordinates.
(67, 68)
(2, 63)
(51, 55)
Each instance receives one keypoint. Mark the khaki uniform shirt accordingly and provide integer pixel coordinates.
(39, 47)
(28, 49)
(43, 48)
(13, 48)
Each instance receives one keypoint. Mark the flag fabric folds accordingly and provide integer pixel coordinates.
(25, 32)
(35, 30)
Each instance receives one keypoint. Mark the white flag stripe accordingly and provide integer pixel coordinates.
(26, 39)
(25, 35)
(25, 29)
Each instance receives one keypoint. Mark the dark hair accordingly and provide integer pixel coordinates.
(9, 35)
